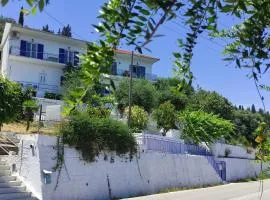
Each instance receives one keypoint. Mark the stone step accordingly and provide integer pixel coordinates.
(10, 184)
(14, 189)
(4, 179)
(16, 196)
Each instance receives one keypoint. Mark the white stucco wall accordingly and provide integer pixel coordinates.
(219, 149)
(151, 173)
(237, 169)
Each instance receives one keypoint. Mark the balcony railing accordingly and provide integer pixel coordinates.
(40, 87)
(16, 51)
(126, 73)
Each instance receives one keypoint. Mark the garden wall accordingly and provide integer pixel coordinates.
(110, 176)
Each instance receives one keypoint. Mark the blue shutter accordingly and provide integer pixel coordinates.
(61, 55)
(23, 48)
(143, 72)
(114, 68)
(40, 51)
(76, 58)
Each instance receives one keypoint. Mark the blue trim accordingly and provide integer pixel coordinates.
(76, 58)
(23, 48)
(62, 55)
(40, 51)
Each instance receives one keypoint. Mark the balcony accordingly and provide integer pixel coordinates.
(126, 73)
(16, 51)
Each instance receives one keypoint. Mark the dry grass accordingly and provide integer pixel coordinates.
(20, 128)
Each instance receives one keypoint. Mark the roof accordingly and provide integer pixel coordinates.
(16, 27)
(125, 52)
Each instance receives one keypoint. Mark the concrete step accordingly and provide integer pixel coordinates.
(4, 167)
(4, 172)
(10, 184)
(4, 179)
(11, 190)
(16, 196)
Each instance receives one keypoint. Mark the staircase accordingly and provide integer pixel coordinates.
(10, 187)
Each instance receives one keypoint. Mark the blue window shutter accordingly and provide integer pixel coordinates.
(76, 58)
(23, 48)
(114, 68)
(40, 51)
(61, 55)
(143, 72)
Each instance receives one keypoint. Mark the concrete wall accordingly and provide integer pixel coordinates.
(150, 173)
(219, 149)
(237, 169)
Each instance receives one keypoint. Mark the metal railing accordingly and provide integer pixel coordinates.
(126, 73)
(168, 145)
(16, 51)
(6, 143)
(40, 87)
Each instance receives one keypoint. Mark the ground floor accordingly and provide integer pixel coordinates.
(232, 191)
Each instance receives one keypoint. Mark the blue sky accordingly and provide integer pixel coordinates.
(211, 72)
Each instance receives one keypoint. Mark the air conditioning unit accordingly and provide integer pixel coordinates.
(15, 34)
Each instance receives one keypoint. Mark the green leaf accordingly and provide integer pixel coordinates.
(30, 2)
(4, 2)
(41, 5)
(34, 10)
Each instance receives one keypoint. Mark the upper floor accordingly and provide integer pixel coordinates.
(27, 44)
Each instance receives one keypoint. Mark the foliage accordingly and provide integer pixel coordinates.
(204, 127)
(261, 135)
(139, 118)
(29, 108)
(246, 123)
(166, 116)
(211, 102)
(34, 4)
(51, 95)
(167, 91)
(47, 29)
(10, 101)
(143, 94)
(91, 136)
(21, 17)
(66, 31)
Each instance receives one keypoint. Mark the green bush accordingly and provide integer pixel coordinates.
(139, 119)
(204, 127)
(10, 101)
(166, 116)
(91, 136)
(29, 107)
(51, 95)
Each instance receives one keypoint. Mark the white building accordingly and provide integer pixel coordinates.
(36, 58)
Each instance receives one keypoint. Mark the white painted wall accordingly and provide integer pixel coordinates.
(219, 149)
(151, 173)
(237, 169)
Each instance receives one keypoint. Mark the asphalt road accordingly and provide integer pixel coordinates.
(232, 191)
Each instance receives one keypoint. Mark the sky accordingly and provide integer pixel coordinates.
(210, 71)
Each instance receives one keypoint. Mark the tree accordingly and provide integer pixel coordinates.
(253, 109)
(211, 102)
(32, 3)
(139, 118)
(66, 31)
(29, 108)
(144, 94)
(21, 17)
(47, 29)
(199, 126)
(10, 101)
(165, 115)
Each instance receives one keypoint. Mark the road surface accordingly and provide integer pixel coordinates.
(232, 191)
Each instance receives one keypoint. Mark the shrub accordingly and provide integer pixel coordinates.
(10, 101)
(51, 95)
(139, 118)
(91, 135)
(144, 94)
(204, 127)
(165, 115)
(29, 107)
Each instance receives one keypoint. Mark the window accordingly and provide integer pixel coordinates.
(139, 71)
(68, 57)
(114, 68)
(32, 50)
